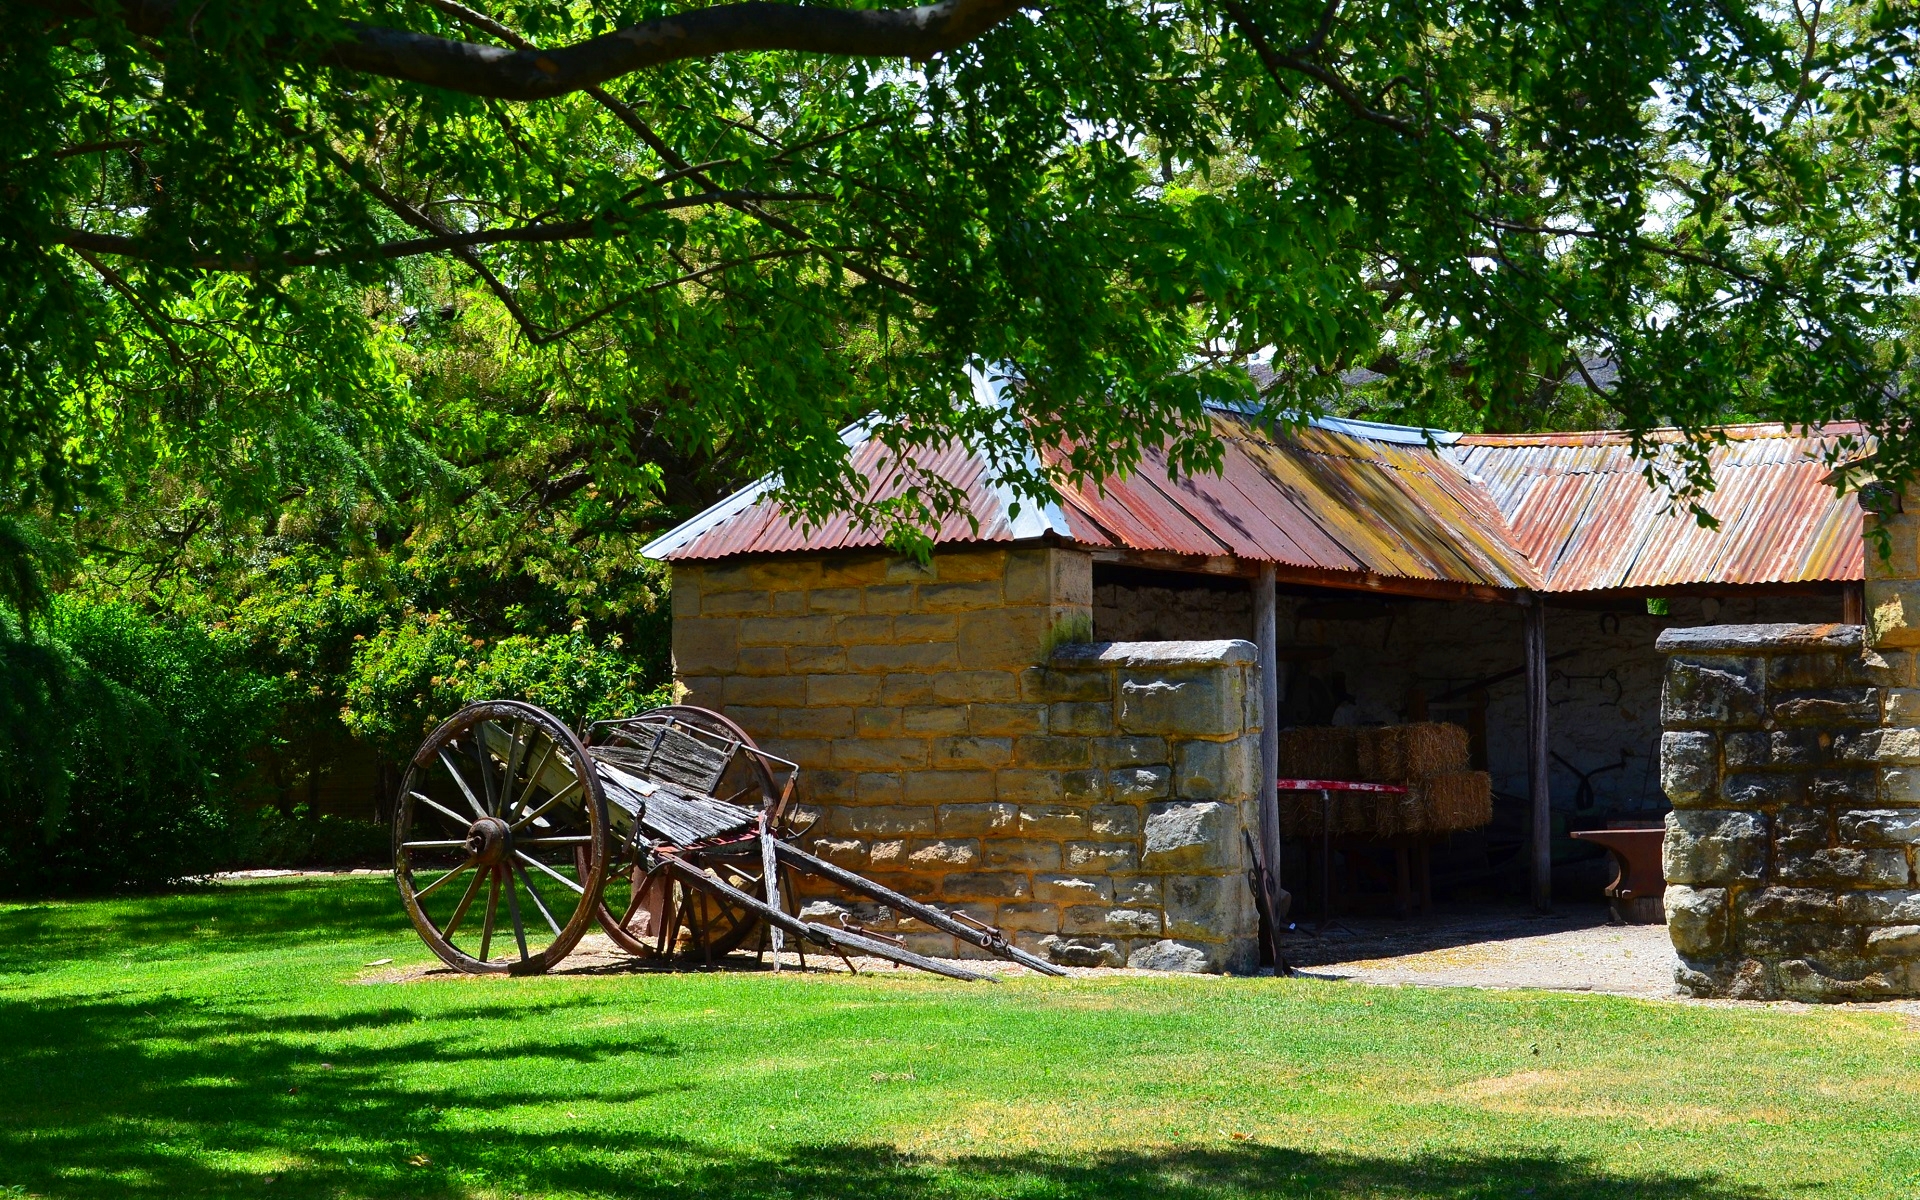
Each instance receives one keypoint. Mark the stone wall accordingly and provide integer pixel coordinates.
(1090, 804)
(1791, 756)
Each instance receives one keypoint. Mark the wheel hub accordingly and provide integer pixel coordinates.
(488, 840)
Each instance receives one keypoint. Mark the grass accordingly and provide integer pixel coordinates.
(213, 1043)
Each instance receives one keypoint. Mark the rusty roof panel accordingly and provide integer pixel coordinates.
(1554, 512)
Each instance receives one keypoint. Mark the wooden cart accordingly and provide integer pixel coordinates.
(670, 830)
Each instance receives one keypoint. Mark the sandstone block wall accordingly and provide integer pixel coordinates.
(1792, 756)
(1089, 804)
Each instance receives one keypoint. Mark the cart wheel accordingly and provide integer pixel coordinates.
(715, 927)
(500, 839)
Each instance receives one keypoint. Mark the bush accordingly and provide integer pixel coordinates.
(410, 677)
(264, 837)
(127, 748)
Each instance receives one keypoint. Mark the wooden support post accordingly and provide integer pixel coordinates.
(1266, 638)
(1537, 762)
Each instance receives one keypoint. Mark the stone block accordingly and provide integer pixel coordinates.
(847, 852)
(1039, 750)
(1858, 746)
(934, 718)
(812, 754)
(1808, 980)
(899, 568)
(1201, 835)
(1846, 867)
(1785, 904)
(973, 820)
(881, 787)
(1216, 770)
(789, 604)
(703, 646)
(1108, 857)
(1080, 718)
(1792, 747)
(1028, 916)
(762, 660)
(928, 854)
(1900, 706)
(981, 752)
(985, 885)
(1182, 703)
(927, 627)
(1133, 785)
(1113, 821)
(805, 660)
(1800, 831)
(890, 598)
(1134, 893)
(865, 630)
(1021, 854)
(835, 600)
(907, 688)
(1881, 827)
(1200, 905)
(1749, 747)
(915, 657)
(736, 604)
(1170, 954)
(887, 853)
(1006, 719)
(1893, 613)
(1895, 941)
(970, 565)
(1083, 787)
(1756, 791)
(1052, 821)
(1046, 685)
(1775, 940)
(1880, 907)
(948, 787)
(1084, 951)
(1828, 708)
(823, 690)
(932, 945)
(960, 597)
(1029, 576)
(890, 821)
(1842, 788)
(1074, 889)
(684, 596)
(876, 722)
(1714, 692)
(1689, 768)
(816, 722)
(880, 754)
(1004, 637)
(1900, 785)
(1129, 751)
(1024, 786)
(976, 687)
(1899, 747)
(1123, 922)
(1697, 919)
(1706, 847)
(789, 631)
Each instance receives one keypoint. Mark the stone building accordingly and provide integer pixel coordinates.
(961, 738)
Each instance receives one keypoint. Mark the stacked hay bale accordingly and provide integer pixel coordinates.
(1428, 758)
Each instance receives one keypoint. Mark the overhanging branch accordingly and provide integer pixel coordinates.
(534, 74)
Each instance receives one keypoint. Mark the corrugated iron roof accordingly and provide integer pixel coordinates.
(1580, 509)
(1553, 512)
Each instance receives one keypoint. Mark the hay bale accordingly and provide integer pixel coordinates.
(1300, 815)
(1409, 753)
(1319, 752)
(1455, 800)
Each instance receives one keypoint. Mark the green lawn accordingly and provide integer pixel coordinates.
(214, 1044)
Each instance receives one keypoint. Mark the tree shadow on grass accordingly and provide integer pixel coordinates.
(162, 1099)
(269, 914)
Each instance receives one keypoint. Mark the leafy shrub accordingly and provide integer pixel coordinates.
(410, 677)
(265, 837)
(126, 751)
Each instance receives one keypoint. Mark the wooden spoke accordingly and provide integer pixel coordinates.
(466, 901)
(513, 910)
(513, 764)
(433, 887)
(538, 902)
(534, 862)
(533, 781)
(479, 810)
(478, 751)
(438, 845)
(493, 904)
(430, 802)
(552, 800)
(568, 840)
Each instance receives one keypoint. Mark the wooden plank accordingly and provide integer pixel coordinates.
(1538, 780)
(1266, 637)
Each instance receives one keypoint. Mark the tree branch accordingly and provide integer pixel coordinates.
(1276, 61)
(532, 74)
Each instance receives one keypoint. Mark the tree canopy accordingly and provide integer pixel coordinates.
(242, 242)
